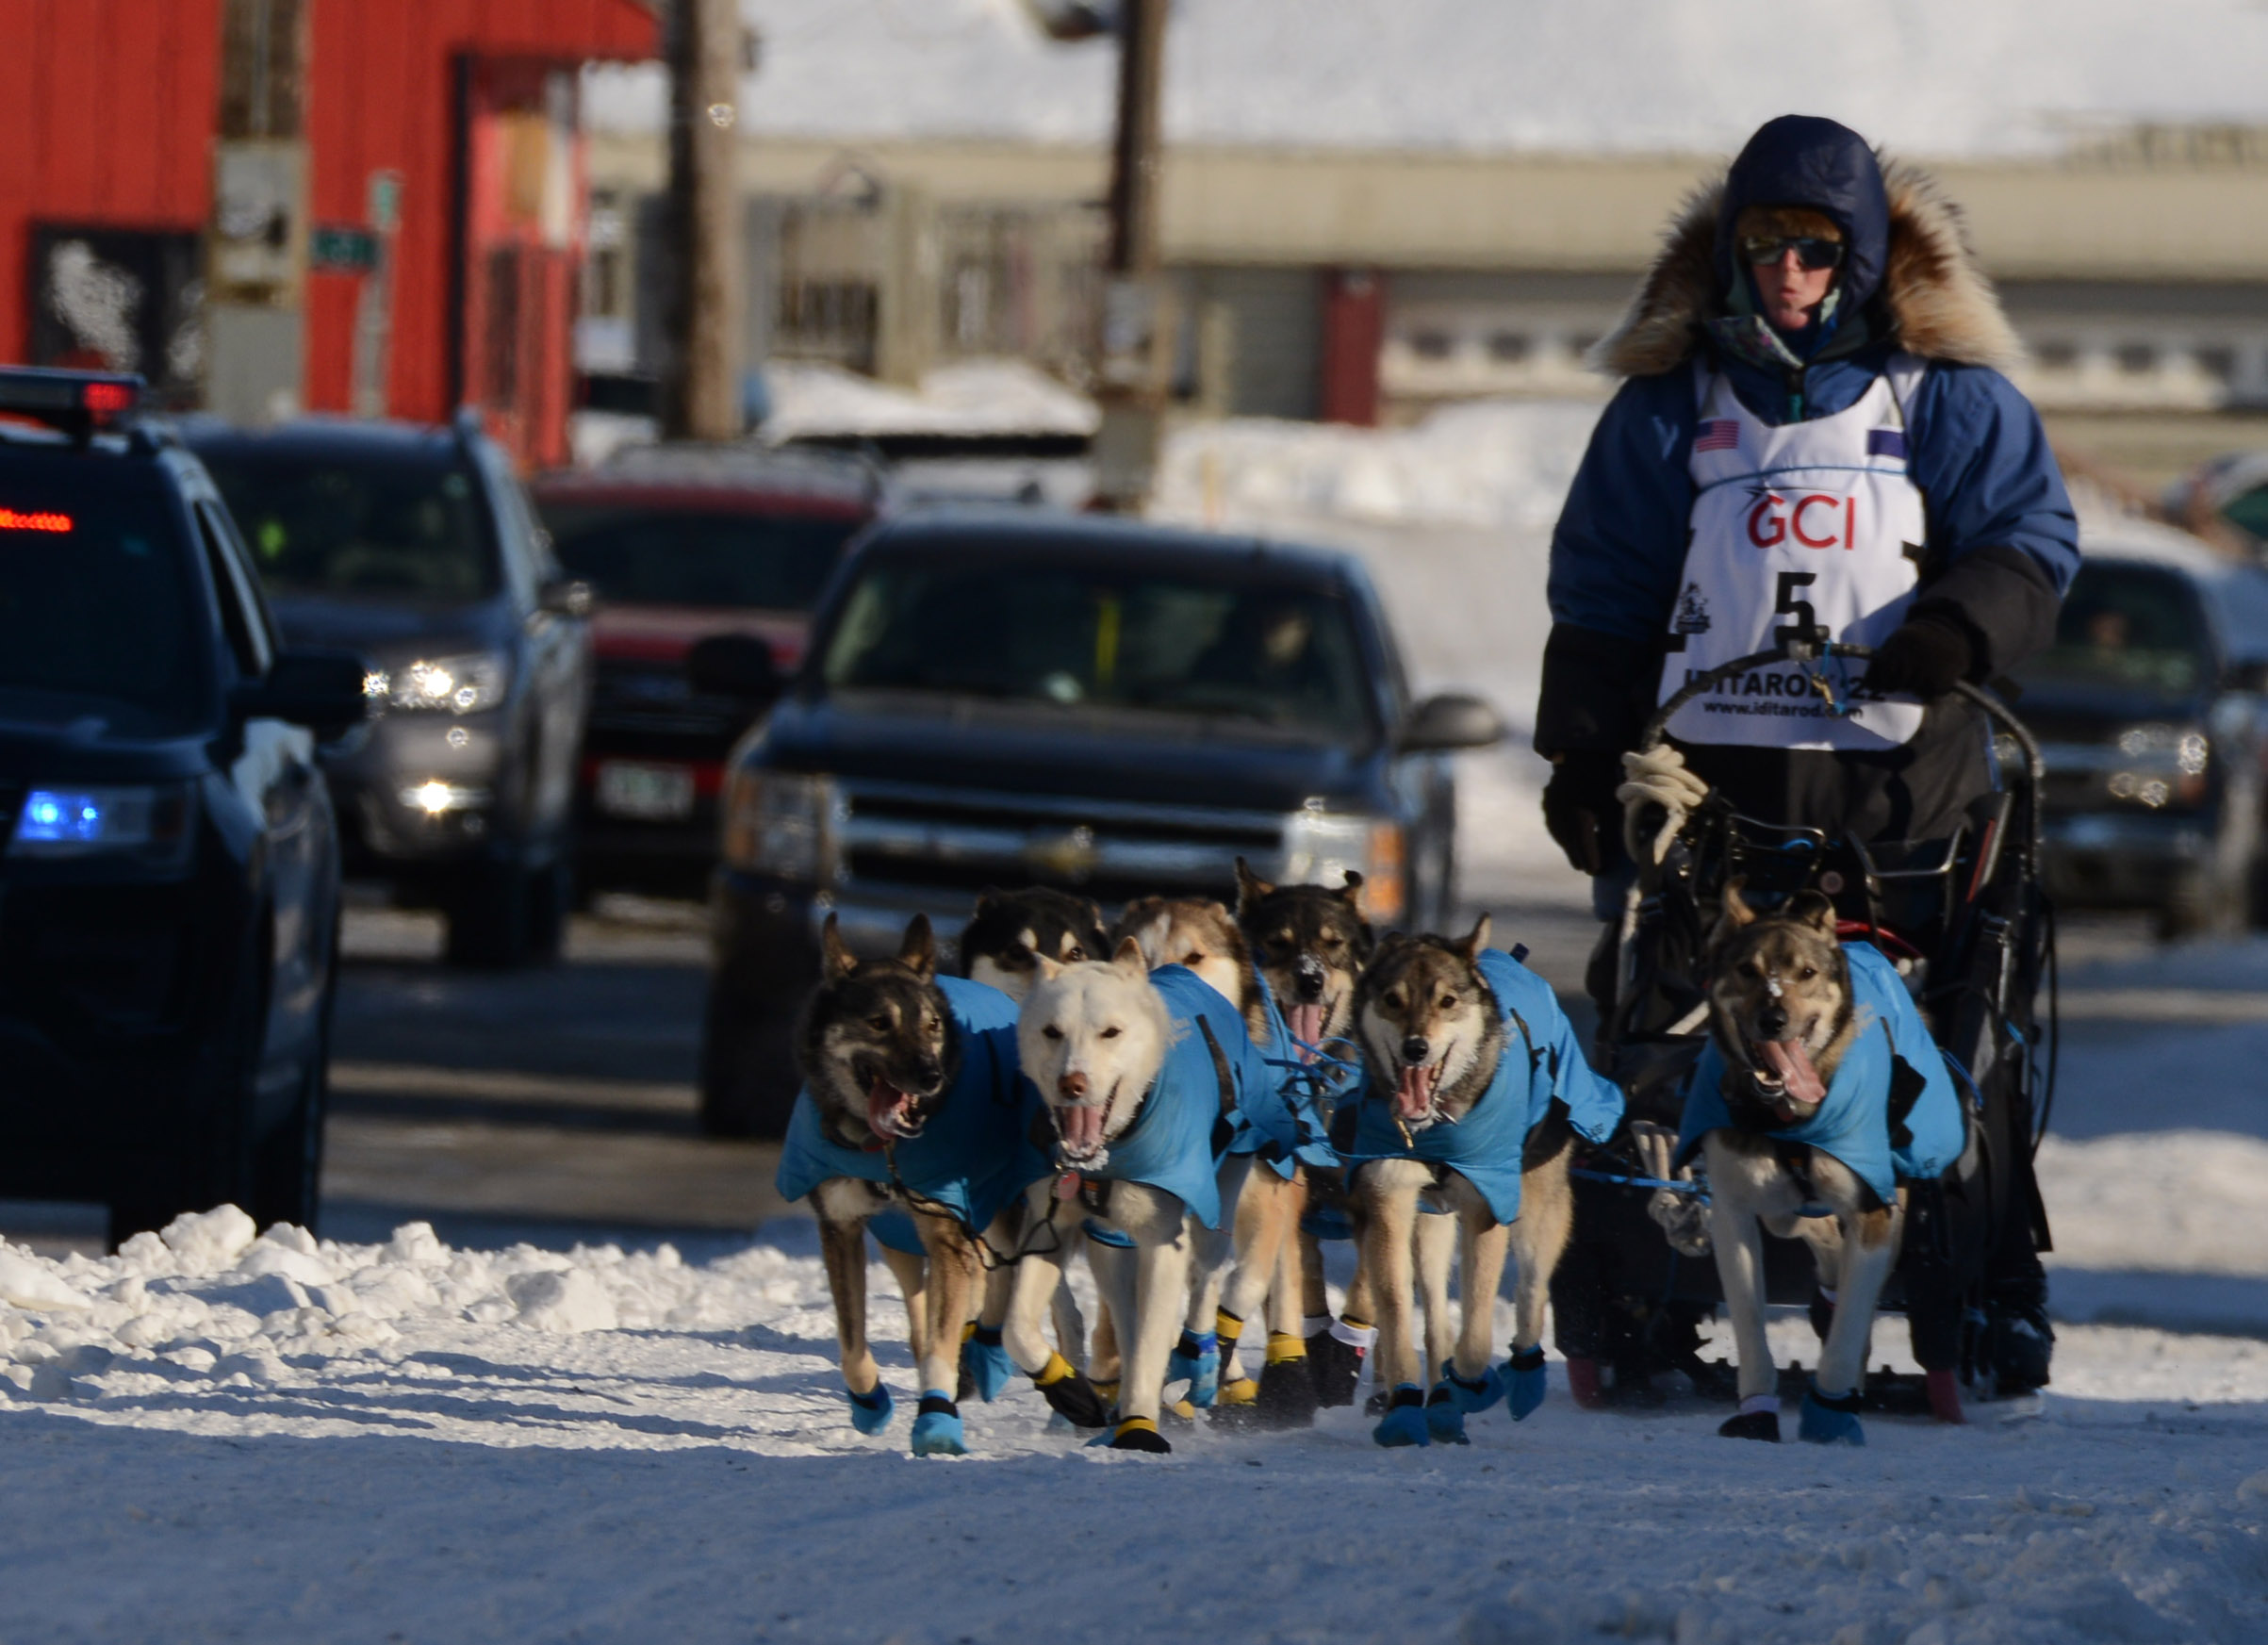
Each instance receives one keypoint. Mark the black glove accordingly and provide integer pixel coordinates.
(1924, 655)
(1581, 811)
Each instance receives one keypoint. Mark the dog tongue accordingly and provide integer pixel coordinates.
(1306, 1023)
(1792, 1063)
(1081, 1129)
(885, 1104)
(1413, 1097)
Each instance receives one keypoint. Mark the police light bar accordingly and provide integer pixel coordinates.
(76, 401)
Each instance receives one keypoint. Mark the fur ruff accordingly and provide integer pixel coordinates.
(1939, 303)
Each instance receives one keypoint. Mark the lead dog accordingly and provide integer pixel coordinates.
(1820, 1089)
(912, 1104)
(1476, 1084)
(1144, 1074)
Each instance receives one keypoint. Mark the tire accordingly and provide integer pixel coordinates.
(749, 1079)
(503, 915)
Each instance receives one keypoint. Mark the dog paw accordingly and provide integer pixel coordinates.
(1404, 1420)
(1195, 1360)
(1140, 1433)
(1524, 1383)
(1445, 1417)
(985, 1364)
(870, 1412)
(1071, 1395)
(1475, 1396)
(1829, 1420)
(937, 1428)
(1752, 1425)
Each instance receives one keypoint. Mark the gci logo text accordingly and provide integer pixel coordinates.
(1773, 520)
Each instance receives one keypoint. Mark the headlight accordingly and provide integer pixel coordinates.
(2160, 763)
(449, 685)
(149, 822)
(781, 823)
(1319, 848)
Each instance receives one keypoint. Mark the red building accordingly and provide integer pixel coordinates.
(105, 146)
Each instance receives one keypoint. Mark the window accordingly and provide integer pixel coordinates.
(1431, 345)
(709, 557)
(406, 525)
(241, 620)
(1508, 348)
(2057, 356)
(2137, 359)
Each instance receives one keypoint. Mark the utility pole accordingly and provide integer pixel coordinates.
(256, 242)
(701, 382)
(1130, 374)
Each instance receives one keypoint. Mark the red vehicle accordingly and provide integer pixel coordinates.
(682, 543)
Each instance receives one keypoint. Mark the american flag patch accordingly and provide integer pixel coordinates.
(1887, 442)
(1717, 433)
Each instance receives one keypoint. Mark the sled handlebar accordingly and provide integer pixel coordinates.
(1995, 709)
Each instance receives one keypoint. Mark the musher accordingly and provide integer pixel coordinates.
(1813, 433)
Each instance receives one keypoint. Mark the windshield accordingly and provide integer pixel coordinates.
(1079, 637)
(648, 556)
(95, 595)
(402, 523)
(2127, 628)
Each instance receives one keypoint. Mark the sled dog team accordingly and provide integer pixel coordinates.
(1195, 1099)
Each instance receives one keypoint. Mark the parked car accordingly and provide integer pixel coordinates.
(2150, 711)
(416, 547)
(681, 542)
(1010, 698)
(169, 864)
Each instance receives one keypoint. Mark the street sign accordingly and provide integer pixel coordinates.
(336, 248)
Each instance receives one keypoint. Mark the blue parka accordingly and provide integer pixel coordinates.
(1854, 1124)
(1541, 1063)
(2002, 540)
(975, 1155)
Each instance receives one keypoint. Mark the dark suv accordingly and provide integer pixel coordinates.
(168, 867)
(1011, 697)
(416, 547)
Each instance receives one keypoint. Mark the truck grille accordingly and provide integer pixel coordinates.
(952, 840)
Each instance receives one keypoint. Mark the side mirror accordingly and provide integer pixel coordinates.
(1451, 720)
(566, 597)
(320, 690)
(734, 665)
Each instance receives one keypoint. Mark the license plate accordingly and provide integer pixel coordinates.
(647, 793)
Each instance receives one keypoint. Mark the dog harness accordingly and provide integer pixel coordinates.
(1193, 1112)
(1808, 530)
(1284, 1125)
(1855, 1123)
(1541, 1063)
(975, 1153)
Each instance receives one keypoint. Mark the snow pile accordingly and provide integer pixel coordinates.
(218, 1436)
(969, 397)
(1942, 77)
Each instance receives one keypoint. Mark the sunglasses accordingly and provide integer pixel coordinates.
(1812, 252)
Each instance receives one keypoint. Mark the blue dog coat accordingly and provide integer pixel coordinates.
(1541, 1061)
(1854, 1124)
(1283, 1125)
(973, 1157)
(1179, 1140)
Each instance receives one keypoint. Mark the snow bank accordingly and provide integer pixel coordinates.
(1942, 77)
(216, 1438)
(969, 397)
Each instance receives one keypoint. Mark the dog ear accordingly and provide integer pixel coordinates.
(988, 897)
(836, 959)
(919, 950)
(1351, 893)
(1470, 948)
(1812, 909)
(1128, 958)
(1737, 910)
(1250, 888)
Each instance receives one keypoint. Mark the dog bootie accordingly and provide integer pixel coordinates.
(937, 1427)
(870, 1412)
(1524, 1383)
(1445, 1415)
(1336, 1357)
(1068, 1393)
(1140, 1433)
(1472, 1397)
(1287, 1395)
(1196, 1360)
(985, 1364)
(1404, 1420)
(1831, 1420)
(1759, 1418)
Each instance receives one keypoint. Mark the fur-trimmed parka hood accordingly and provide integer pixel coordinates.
(1932, 298)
